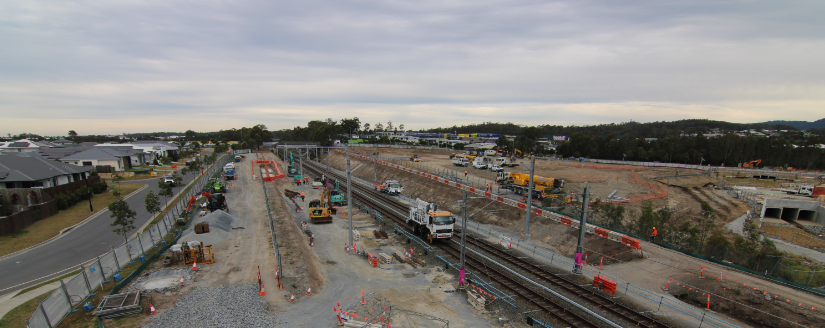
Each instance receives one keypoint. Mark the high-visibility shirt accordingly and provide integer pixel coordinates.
(302, 194)
(654, 232)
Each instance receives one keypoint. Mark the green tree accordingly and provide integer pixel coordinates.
(165, 191)
(117, 178)
(706, 223)
(152, 203)
(165, 160)
(124, 218)
(72, 134)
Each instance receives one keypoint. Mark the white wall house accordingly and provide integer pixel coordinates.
(33, 171)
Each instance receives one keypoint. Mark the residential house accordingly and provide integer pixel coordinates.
(35, 171)
(24, 145)
(100, 156)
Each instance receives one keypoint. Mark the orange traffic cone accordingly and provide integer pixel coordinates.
(194, 265)
(309, 290)
(181, 280)
(292, 298)
(152, 309)
(262, 290)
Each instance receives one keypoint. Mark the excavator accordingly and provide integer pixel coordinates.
(752, 164)
(216, 202)
(321, 210)
(338, 198)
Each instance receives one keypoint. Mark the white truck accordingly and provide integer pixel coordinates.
(425, 219)
(480, 163)
(392, 187)
(800, 190)
(461, 161)
(505, 161)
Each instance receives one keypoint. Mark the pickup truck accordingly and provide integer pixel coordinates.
(496, 168)
(479, 165)
(168, 179)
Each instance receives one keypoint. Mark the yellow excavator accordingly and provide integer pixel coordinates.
(321, 210)
(543, 187)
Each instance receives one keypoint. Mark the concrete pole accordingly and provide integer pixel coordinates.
(374, 174)
(463, 230)
(349, 198)
(301, 168)
(530, 195)
(582, 228)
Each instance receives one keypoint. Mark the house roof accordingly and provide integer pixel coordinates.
(97, 153)
(26, 143)
(29, 168)
(62, 141)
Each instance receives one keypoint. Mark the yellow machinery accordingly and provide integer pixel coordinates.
(153, 174)
(414, 158)
(519, 183)
(203, 254)
(321, 210)
(518, 154)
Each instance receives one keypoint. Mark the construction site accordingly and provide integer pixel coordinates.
(299, 244)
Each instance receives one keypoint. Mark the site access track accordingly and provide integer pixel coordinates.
(551, 306)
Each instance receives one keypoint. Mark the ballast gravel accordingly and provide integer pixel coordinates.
(222, 306)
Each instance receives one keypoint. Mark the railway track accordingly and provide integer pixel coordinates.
(550, 306)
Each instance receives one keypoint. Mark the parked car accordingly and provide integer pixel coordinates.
(496, 168)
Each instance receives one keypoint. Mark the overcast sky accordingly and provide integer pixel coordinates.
(106, 67)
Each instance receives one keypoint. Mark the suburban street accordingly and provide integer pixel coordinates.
(77, 246)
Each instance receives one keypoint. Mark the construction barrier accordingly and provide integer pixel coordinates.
(631, 242)
(601, 232)
(566, 220)
(604, 284)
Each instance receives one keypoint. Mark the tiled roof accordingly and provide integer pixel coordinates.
(27, 168)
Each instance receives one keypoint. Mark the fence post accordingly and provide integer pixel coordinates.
(165, 217)
(42, 310)
(114, 254)
(66, 292)
(660, 303)
(86, 279)
(102, 274)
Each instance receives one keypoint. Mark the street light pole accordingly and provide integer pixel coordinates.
(463, 239)
(349, 197)
(530, 195)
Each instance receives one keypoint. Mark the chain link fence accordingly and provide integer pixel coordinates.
(105, 269)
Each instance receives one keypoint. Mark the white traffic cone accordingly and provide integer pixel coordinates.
(292, 298)
(194, 265)
(309, 290)
(152, 309)
(181, 280)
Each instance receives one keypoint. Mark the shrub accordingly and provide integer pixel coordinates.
(62, 203)
(73, 198)
(83, 192)
(99, 187)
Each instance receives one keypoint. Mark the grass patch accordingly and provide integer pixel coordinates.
(17, 316)
(70, 274)
(49, 227)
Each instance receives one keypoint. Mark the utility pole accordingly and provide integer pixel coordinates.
(375, 174)
(301, 168)
(582, 228)
(349, 198)
(463, 239)
(530, 195)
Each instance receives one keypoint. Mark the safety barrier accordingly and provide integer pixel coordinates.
(605, 284)
(631, 242)
(107, 267)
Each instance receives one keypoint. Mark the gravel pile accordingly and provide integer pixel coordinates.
(223, 306)
(220, 228)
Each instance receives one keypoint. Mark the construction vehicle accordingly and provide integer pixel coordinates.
(414, 158)
(799, 190)
(238, 158)
(338, 198)
(519, 183)
(425, 219)
(461, 161)
(752, 164)
(518, 153)
(392, 187)
(195, 251)
(481, 163)
(321, 210)
(452, 155)
(506, 161)
(292, 169)
(215, 202)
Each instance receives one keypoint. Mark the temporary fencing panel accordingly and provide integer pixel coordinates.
(109, 265)
(134, 248)
(146, 241)
(122, 253)
(77, 289)
(93, 272)
(56, 306)
(38, 320)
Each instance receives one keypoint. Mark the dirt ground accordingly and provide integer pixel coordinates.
(650, 273)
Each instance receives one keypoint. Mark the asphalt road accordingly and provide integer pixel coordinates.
(76, 246)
